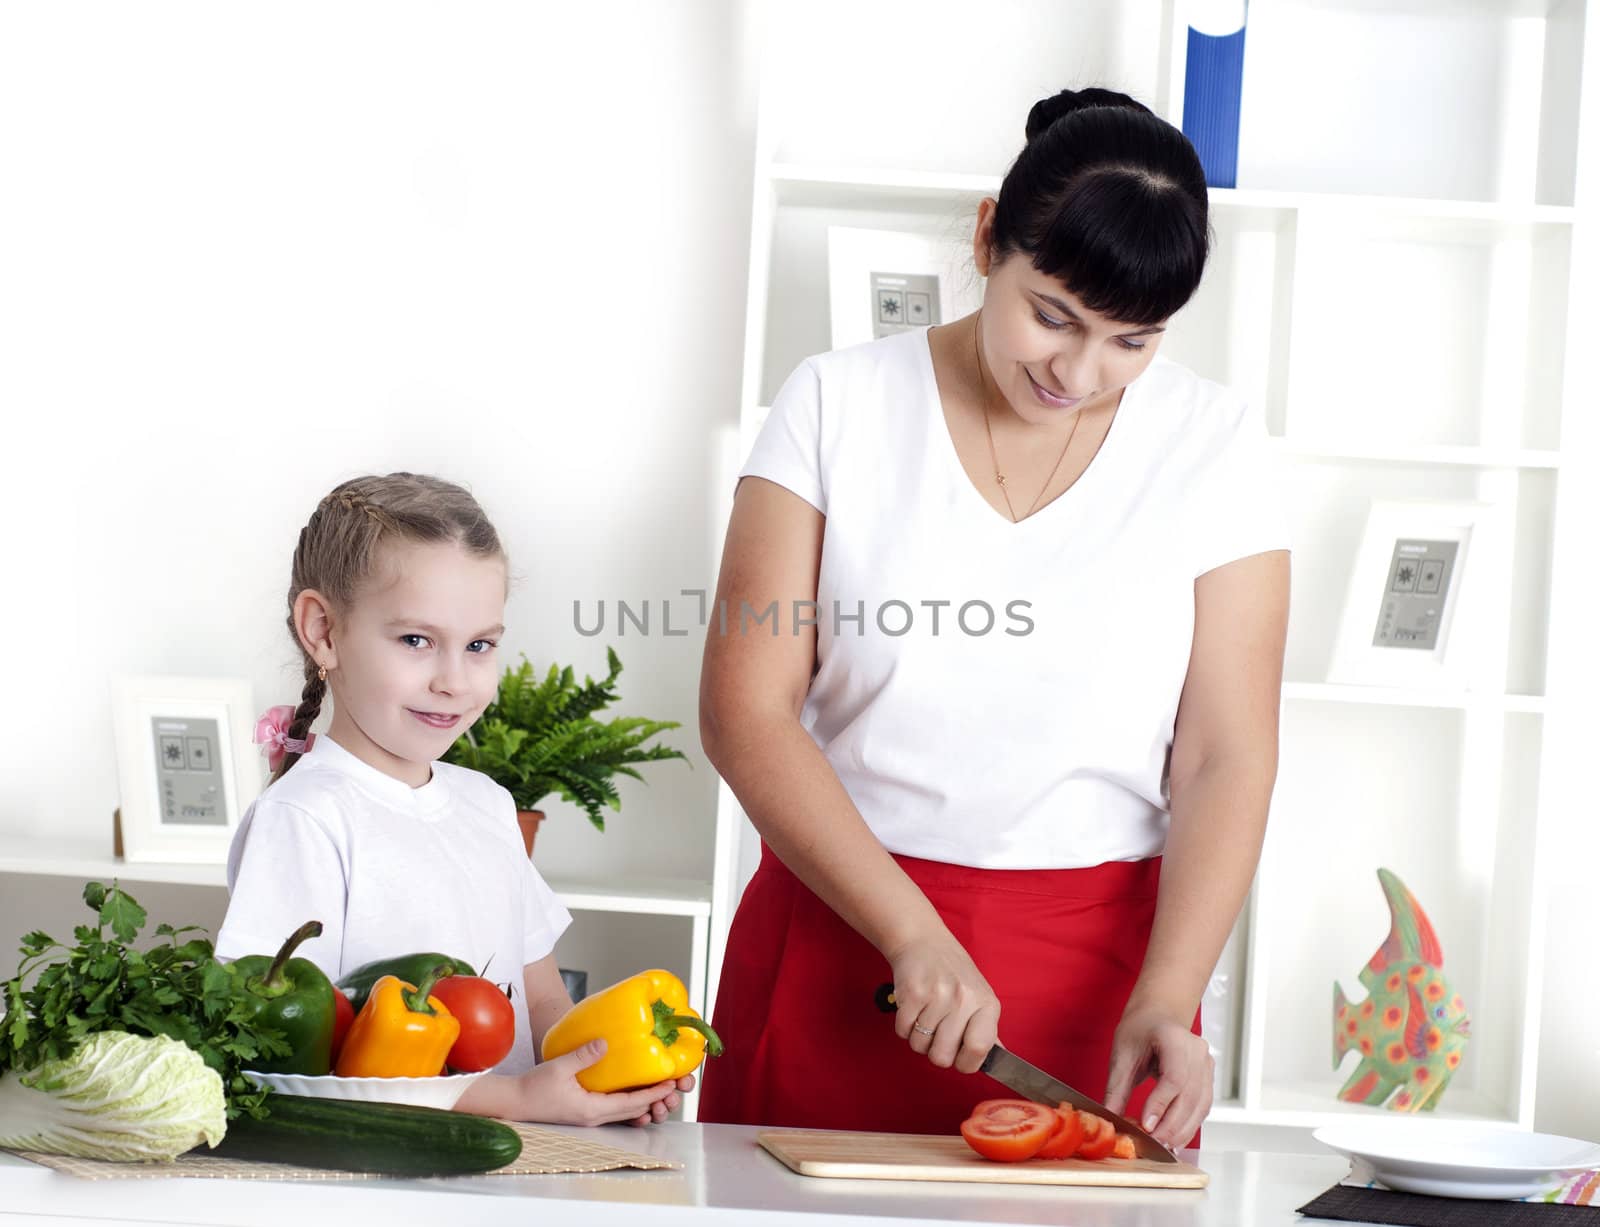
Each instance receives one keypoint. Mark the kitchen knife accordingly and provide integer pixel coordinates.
(1031, 1082)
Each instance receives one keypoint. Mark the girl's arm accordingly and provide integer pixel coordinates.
(547, 996)
(1224, 763)
(753, 685)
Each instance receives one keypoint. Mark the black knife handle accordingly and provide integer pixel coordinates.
(884, 998)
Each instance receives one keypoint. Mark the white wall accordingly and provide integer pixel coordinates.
(250, 251)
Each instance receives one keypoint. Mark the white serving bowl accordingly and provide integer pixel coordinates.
(440, 1092)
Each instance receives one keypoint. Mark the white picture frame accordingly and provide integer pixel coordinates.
(186, 765)
(1426, 596)
(856, 254)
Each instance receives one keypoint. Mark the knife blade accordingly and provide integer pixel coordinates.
(1031, 1082)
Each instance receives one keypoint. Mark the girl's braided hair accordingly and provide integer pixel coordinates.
(338, 549)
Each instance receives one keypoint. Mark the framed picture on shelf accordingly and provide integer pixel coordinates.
(886, 281)
(1419, 608)
(186, 767)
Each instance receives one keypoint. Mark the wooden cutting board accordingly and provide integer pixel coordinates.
(908, 1156)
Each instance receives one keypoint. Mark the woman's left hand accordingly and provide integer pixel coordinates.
(1154, 1042)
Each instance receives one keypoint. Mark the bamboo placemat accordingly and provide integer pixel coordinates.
(543, 1153)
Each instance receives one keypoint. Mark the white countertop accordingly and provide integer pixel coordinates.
(726, 1178)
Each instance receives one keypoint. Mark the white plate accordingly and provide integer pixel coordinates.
(1460, 1158)
(426, 1092)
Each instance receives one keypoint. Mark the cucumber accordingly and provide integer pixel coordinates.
(392, 1138)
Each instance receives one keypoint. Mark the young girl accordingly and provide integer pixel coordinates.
(396, 600)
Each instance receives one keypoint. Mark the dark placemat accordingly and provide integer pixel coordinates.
(1356, 1204)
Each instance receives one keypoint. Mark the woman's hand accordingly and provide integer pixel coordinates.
(551, 1092)
(1153, 1042)
(944, 1007)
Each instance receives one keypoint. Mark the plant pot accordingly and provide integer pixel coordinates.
(529, 820)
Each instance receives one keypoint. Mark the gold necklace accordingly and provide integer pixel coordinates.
(999, 477)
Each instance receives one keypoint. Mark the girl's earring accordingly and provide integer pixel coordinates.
(322, 673)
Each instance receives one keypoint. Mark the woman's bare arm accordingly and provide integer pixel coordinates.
(753, 685)
(1224, 763)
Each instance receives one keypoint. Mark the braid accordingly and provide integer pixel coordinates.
(304, 715)
(351, 501)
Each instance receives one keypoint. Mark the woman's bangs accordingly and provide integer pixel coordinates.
(1119, 244)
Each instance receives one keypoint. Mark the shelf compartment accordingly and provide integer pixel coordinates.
(798, 324)
(1473, 101)
(1235, 329)
(1424, 333)
(1444, 799)
(830, 94)
(1327, 509)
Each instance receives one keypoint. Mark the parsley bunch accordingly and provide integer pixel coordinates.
(177, 989)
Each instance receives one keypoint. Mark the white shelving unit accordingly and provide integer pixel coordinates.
(1414, 327)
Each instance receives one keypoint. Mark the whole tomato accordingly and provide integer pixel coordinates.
(487, 1017)
(344, 1013)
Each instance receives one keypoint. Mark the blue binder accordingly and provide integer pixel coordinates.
(1213, 79)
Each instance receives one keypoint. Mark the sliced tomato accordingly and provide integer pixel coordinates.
(1099, 1136)
(1008, 1130)
(1122, 1148)
(1065, 1137)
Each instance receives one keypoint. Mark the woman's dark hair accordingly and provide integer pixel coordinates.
(1110, 200)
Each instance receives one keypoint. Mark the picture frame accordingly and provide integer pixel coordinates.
(186, 765)
(886, 281)
(1420, 609)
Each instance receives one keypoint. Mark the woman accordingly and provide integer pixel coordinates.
(1007, 723)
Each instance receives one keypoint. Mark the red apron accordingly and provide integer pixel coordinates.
(807, 1047)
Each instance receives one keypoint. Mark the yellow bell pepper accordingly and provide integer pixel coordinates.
(401, 1032)
(651, 1033)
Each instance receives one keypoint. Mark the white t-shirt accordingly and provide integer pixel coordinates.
(390, 870)
(1042, 741)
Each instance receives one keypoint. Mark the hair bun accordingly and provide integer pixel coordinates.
(1047, 110)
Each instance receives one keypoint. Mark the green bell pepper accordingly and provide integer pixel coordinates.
(407, 968)
(292, 996)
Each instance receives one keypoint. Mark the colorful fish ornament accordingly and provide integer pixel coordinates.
(1411, 1029)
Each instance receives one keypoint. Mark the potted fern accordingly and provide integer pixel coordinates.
(539, 736)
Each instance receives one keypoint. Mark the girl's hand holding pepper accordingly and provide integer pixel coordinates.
(551, 1092)
(622, 1054)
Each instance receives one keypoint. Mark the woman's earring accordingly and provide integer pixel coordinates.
(322, 673)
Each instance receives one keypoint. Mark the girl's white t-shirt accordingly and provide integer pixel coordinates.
(1003, 694)
(390, 870)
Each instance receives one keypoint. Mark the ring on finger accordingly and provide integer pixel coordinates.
(921, 1030)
